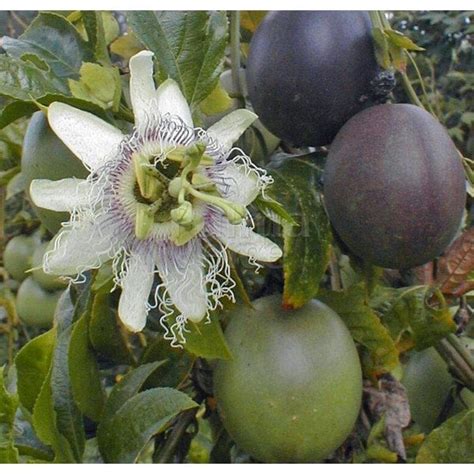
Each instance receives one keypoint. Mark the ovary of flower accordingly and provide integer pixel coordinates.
(132, 211)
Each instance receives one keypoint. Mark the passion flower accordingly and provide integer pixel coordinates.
(167, 199)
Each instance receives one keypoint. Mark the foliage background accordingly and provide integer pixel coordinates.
(80, 387)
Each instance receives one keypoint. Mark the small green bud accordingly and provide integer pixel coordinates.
(174, 187)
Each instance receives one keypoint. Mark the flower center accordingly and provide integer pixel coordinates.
(173, 196)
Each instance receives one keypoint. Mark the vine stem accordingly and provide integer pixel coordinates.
(235, 52)
(166, 453)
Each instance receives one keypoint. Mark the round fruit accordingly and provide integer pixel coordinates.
(308, 72)
(394, 186)
(45, 156)
(35, 305)
(292, 391)
(427, 382)
(46, 280)
(17, 256)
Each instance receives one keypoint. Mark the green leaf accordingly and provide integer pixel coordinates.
(380, 354)
(94, 25)
(381, 47)
(122, 437)
(217, 102)
(8, 407)
(105, 333)
(84, 372)
(274, 211)
(126, 46)
(306, 246)
(54, 40)
(32, 365)
(99, 85)
(189, 46)
(56, 418)
(206, 339)
(414, 316)
(23, 81)
(452, 442)
(399, 39)
(128, 387)
(250, 19)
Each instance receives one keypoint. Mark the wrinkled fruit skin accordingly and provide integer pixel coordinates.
(46, 157)
(293, 390)
(308, 72)
(17, 256)
(35, 305)
(394, 186)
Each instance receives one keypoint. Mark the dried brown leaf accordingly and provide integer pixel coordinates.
(456, 264)
(390, 400)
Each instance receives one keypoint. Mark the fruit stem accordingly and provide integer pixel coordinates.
(235, 52)
(184, 420)
(410, 91)
(422, 83)
(459, 361)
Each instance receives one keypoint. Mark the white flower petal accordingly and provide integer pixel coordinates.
(239, 184)
(242, 239)
(228, 130)
(142, 87)
(91, 139)
(62, 195)
(181, 269)
(171, 101)
(136, 287)
(80, 248)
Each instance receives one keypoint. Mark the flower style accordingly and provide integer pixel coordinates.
(168, 198)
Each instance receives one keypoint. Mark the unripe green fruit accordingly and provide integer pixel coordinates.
(36, 306)
(46, 157)
(46, 280)
(17, 257)
(292, 391)
(428, 384)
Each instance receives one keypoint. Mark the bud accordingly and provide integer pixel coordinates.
(183, 214)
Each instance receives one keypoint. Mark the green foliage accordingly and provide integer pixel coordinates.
(189, 47)
(307, 245)
(8, 406)
(452, 442)
(379, 352)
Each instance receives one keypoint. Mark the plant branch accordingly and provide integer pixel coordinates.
(235, 53)
(184, 420)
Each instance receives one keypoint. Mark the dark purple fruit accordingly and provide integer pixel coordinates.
(308, 72)
(394, 186)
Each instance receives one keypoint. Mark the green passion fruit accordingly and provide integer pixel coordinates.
(46, 157)
(428, 384)
(17, 257)
(394, 186)
(35, 305)
(308, 72)
(292, 391)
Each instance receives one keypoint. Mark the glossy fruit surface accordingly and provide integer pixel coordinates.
(35, 305)
(45, 156)
(17, 257)
(309, 71)
(292, 392)
(394, 186)
(46, 280)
